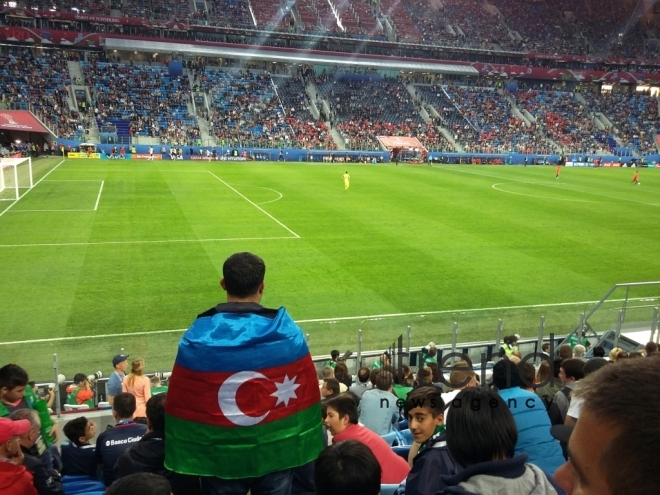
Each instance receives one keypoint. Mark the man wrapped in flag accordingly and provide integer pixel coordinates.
(243, 404)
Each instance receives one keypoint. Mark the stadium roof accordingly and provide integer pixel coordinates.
(290, 56)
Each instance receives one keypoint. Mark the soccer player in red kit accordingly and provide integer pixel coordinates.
(636, 178)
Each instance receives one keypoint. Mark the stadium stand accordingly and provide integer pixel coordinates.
(142, 100)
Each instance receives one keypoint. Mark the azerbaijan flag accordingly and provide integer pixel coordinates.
(243, 399)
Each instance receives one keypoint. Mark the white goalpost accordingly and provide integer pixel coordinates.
(15, 178)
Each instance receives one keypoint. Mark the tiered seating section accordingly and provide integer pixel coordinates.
(306, 131)
(165, 10)
(41, 82)
(567, 121)
(270, 15)
(364, 110)
(246, 110)
(153, 103)
(229, 13)
(94, 7)
(491, 115)
(405, 27)
(634, 117)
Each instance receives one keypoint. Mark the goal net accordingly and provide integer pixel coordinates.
(15, 177)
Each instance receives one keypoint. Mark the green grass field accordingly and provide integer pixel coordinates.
(112, 248)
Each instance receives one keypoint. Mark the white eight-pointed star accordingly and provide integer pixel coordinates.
(286, 390)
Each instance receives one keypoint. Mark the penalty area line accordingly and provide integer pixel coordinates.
(35, 185)
(256, 205)
(164, 241)
(320, 320)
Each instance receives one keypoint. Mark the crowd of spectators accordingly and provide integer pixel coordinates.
(564, 119)
(634, 117)
(164, 10)
(40, 84)
(153, 103)
(78, 7)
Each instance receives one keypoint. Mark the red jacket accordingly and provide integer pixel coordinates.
(15, 480)
(394, 468)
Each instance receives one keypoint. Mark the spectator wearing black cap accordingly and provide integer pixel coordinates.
(120, 364)
(530, 416)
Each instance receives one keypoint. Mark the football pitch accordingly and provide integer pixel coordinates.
(107, 255)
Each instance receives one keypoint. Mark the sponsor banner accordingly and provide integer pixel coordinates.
(14, 120)
(146, 156)
(610, 164)
(657, 165)
(221, 158)
(75, 154)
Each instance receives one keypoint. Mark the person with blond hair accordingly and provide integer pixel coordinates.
(138, 385)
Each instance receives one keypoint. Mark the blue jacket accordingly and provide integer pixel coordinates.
(435, 460)
(533, 425)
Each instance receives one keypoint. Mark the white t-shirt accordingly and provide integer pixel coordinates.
(575, 407)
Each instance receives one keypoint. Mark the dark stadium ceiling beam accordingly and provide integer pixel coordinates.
(301, 57)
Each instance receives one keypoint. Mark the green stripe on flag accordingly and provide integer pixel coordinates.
(243, 451)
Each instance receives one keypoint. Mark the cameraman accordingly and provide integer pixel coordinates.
(49, 396)
(80, 391)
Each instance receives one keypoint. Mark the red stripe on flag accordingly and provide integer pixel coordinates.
(247, 398)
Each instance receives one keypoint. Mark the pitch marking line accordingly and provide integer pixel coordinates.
(256, 205)
(96, 206)
(267, 189)
(494, 186)
(558, 186)
(35, 185)
(164, 241)
(323, 320)
(49, 211)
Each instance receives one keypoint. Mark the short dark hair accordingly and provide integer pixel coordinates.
(613, 395)
(363, 374)
(506, 375)
(334, 354)
(347, 468)
(12, 376)
(461, 375)
(598, 351)
(345, 405)
(529, 373)
(373, 376)
(156, 412)
(545, 347)
(594, 364)
(651, 347)
(124, 405)
(427, 396)
(332, 384)
(243, 274)
(573, 368)
(384, 380)
(79, 377)
(480, 428)
(565, 352)
(75, 429)
(140, 484)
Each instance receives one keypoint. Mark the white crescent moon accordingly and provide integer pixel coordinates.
(227, 398)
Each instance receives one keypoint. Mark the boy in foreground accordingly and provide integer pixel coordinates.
(429, 456)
